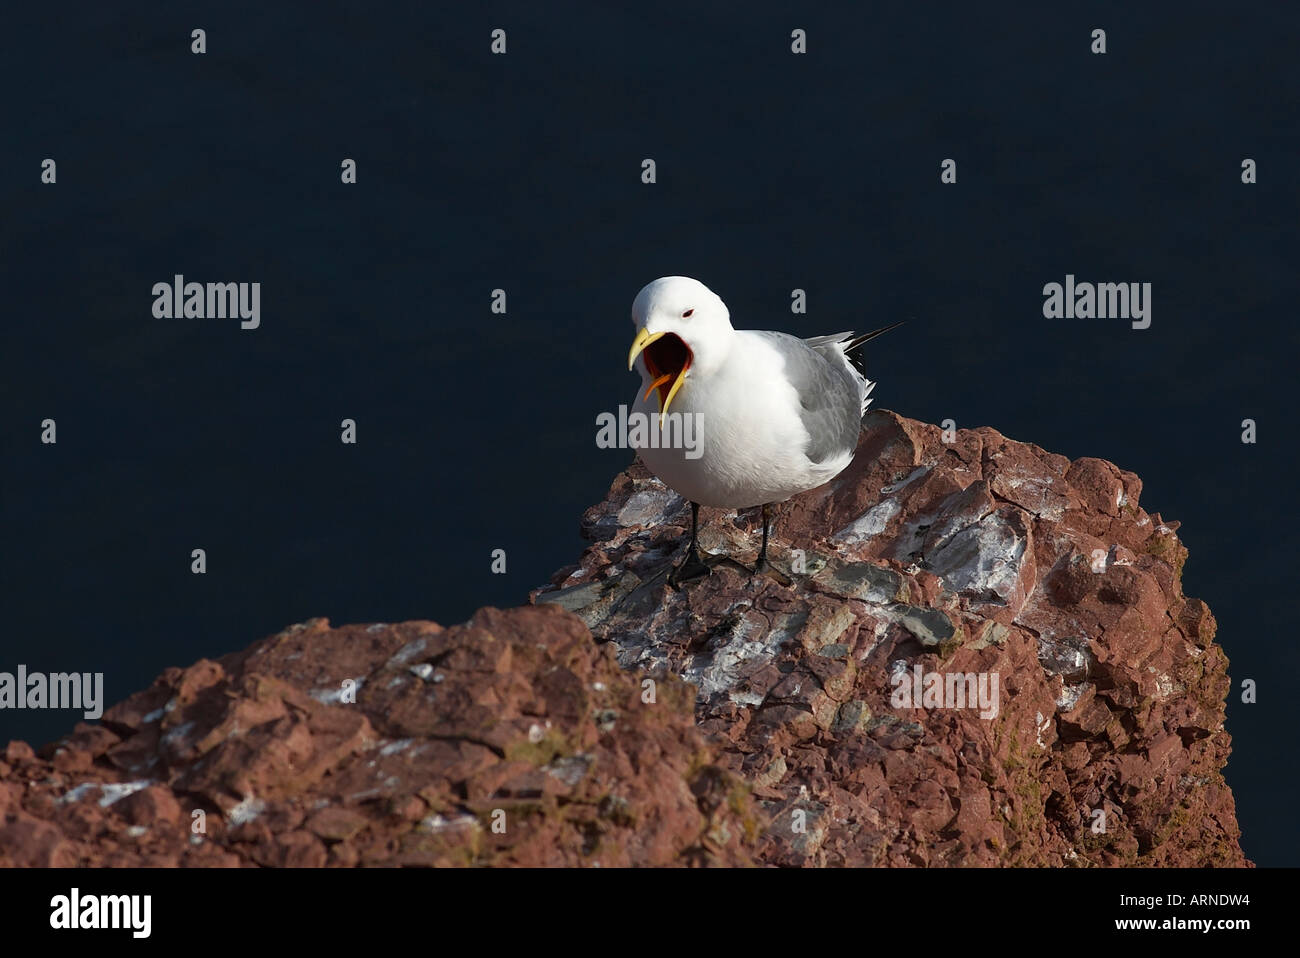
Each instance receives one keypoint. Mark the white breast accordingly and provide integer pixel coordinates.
(752, 440)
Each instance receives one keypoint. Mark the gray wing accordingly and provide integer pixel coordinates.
(830, 392)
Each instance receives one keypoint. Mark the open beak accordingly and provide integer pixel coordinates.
(666, 359)
(643, 339)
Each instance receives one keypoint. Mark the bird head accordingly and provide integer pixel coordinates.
(683, 328)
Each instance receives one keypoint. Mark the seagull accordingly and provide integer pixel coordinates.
(778, 415)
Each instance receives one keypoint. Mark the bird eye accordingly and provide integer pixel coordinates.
(687, 314)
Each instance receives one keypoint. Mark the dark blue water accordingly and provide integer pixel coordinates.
(522, 172)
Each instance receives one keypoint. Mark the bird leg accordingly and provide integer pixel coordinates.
(691, 567)
(762, 566)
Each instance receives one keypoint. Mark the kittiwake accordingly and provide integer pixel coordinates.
(777, 415)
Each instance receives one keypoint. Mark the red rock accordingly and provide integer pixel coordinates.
(295, 850)
(152, 806)
(70, 760)
(1056, 580)
(529, 736)
(18, 753)
(1098, 484)
(29, 842)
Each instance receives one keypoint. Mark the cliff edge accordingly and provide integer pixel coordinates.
(983, 656)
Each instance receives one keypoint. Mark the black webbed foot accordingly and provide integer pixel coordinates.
(692, 567)
(765, 568)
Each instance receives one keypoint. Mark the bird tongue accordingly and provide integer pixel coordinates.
(663, 380)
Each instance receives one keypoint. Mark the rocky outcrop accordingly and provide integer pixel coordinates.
(984, 657)
(510, 740)
(977, 653)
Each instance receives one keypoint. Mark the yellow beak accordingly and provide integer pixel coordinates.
(643, 339)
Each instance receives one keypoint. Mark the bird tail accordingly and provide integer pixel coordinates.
(849, 343)
(852, 348)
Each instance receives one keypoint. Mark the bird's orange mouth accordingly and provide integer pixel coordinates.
(667, 358)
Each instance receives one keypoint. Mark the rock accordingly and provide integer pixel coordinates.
(154, 806)
(981, 557)
(503, 755)
(981, 646)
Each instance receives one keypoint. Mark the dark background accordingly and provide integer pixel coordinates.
(477, 431)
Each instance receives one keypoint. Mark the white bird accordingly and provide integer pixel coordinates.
(778, 415)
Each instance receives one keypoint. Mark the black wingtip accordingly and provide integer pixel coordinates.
(851, 347)
(857, 341)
